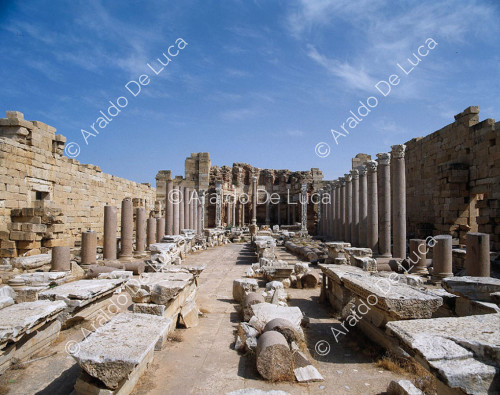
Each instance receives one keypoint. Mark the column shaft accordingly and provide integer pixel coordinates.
(110, 226)
(384, 204)
(399, 200)
(372, 207)
(169, 209)
(140, 229)
(355, 208)
(127, 228)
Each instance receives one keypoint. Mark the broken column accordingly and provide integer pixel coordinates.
(274, 358)
(384, 204)
(442, 258)
(348, 207)
(160, 229)
(342, 210)
(127, 229)
(89, 248)
(169, 209)
(182, 197)
(418, 257)
(61, 259)
(140, 229)
(363, 206)
(372, 206)
(176, 203)
(355, 208)
(398, 200)
(151, 231)
(254, 200)
(110, 225)
(477, 257)
(187, 192)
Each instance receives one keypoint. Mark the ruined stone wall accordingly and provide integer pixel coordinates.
(453, 179)
(47, 199)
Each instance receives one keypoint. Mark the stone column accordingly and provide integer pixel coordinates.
(140, 229)
(202, 216)
(442, 258)
(233, 214)
(89, 248)
(333, 212)
(321, 216)
(288, 219)
(61, 259)
(169, 209)
(151, 231)
(199, 226)
(279, 212)
(176, 204)
(196, 203)
(110, 226)
(372, 207)
(303, 216)
(342, 210)
(348, 207)
(127, 229)
(477, 257)
(192, 205)
(338, 211)
(363, 207)
(268, 209)
(218, 204)
(160, 229)
(228, 212)
(254, 200)
(418, 257)
(243, 207)
(187, 212)
(399, 200)
(355, 208)
(182, 194)
(384, 204)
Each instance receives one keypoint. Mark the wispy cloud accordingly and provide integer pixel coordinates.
(238, 114)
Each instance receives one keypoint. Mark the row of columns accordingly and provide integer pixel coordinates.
(360, 209)
(184, 209)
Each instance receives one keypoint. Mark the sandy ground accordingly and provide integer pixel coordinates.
(204, 361)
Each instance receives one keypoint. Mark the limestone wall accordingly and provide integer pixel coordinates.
(47, 199)
(453, 179)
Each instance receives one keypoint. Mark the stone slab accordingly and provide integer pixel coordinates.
(475, 288)
(114, 350)
(265, 312)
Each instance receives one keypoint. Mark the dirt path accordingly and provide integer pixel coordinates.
(204, 362)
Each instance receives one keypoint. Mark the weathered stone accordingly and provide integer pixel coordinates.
(251, 299)
(291, 332)
(149, 308)
(476, 288)
(189, 314)
(243, 286)
(265, 312)
(274, 358)
(112, 352)
(307, 374)
(31, 262)
(461, 351)
(403, 387)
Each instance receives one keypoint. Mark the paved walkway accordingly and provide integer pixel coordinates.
(204, 362)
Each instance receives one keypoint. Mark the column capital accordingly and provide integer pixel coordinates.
(347, 177)
(371, 166)
(341, 181)
(384, 158)
(398, 151)
(354, 174)
(362, 170)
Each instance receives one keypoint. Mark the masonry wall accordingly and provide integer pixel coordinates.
(47, 199)
(453, 179)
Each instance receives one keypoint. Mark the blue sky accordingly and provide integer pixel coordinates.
(260, 81)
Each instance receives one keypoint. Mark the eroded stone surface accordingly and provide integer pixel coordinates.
(461, 351)
(116, 348)
(21, 318)
(475, 288)
(265, 312)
